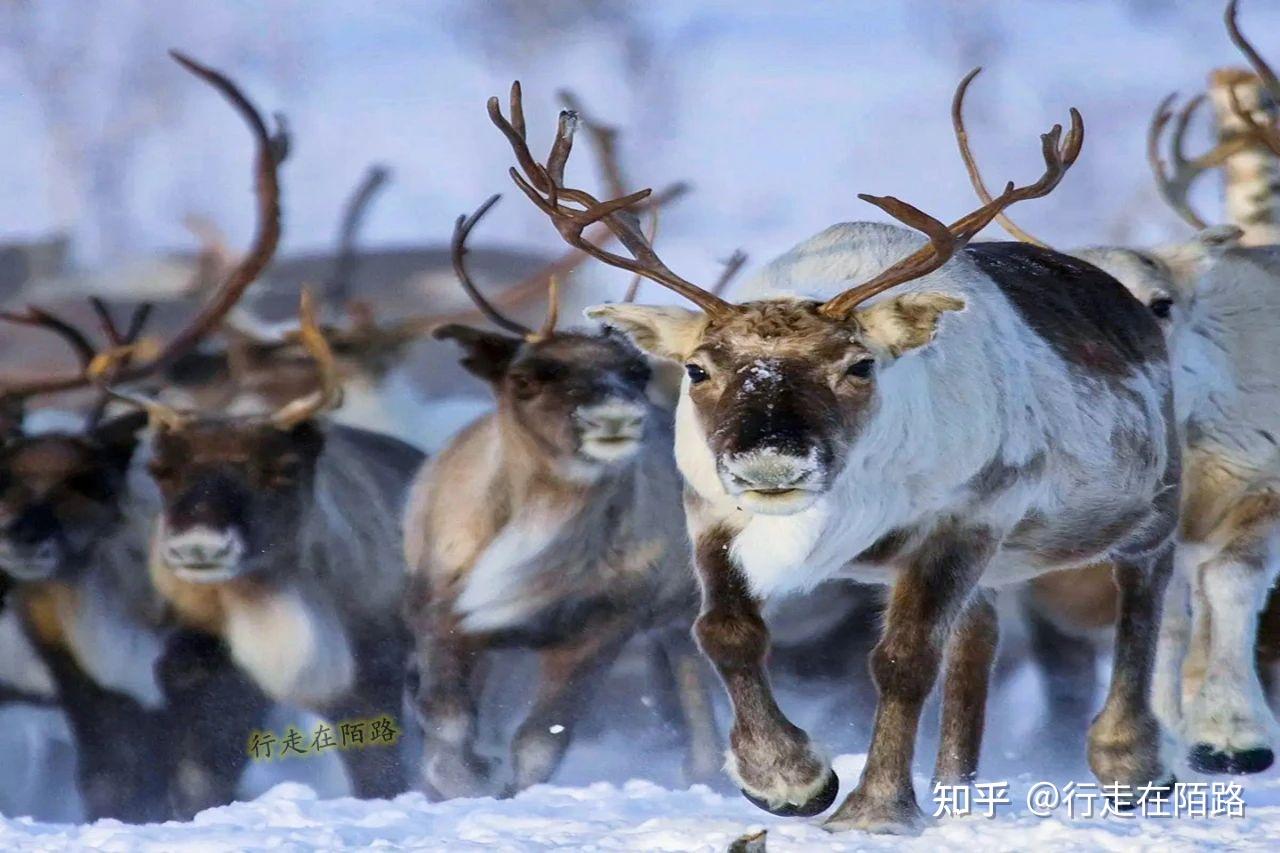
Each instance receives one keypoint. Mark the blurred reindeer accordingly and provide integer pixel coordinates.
(1218, 303)
(75, 521)
(553, 524)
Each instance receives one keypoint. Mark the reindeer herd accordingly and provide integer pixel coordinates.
(1096, 431)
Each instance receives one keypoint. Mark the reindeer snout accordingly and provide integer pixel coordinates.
(203, 550)
(611, 431)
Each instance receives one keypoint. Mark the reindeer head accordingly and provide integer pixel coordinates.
(579, 398)
(62, 494)
(235, 491)
(779, 389)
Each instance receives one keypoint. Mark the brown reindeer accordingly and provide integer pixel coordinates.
(74, 529)
(553, 524)
(280, 536)
(935, 440)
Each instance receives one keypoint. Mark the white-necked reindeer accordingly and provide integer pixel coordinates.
(1218, 303)
(1008, 412)
(554, 524)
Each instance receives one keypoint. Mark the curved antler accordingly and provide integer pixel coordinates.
(1175, 187)
(945, 240)
(272, 149)
(1269, 135)
(544, 185)
(971, 163)
(329, 394)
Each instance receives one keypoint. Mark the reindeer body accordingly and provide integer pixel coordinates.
(1220, 306)
(554, 524)
(313, 621)
(1037, 433)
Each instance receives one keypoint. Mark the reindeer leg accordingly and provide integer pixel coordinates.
(569, 672)
(932, 592)
(697, 713)
(1228, 722)
(1125, 740)
(770, 758)
(970, 653)
(377, 770)
(1171, 648)
(446, 662)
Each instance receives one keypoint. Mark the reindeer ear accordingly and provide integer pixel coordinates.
(1219, 238)
(488, 354)
(907, 321)
(662, 331)
(118, 437)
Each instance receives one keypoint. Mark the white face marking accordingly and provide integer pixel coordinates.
(203, 555)
(611, 431)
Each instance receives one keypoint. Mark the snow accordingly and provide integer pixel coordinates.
(636, 815)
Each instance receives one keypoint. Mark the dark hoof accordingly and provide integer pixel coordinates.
(1205, 759)
(817, 805)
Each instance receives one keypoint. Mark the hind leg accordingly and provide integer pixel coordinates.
(970, 653)
(697, 720)
(1125, 740)
(1228, 722)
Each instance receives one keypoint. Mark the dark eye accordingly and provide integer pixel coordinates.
(861, 368)
(161, 470)
(92, 486)
(1161, 307)
(696, 373)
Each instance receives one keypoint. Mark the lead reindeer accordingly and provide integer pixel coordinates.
(1218, 304)
(1008, 412)
(552, 524)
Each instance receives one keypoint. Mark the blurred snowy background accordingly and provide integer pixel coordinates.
(778, 112)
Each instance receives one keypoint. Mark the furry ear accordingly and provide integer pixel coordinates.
(906, 322)
(662, 331)
(118, 437)
(488, 354)
(1218, 238)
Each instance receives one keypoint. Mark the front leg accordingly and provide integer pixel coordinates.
(568, 674)
(933, 589)
(770, 758)
(445, 660)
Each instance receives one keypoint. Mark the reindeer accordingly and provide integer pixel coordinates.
(1216, 302)
(1008, 413)
(280, 536)
(75, 516)
(553, 524)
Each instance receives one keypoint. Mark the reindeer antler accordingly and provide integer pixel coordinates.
(329, 394)
(946, 240)
(1175, 188)
(272, 149)
(338, 290)
(1269, 135)
(544, 185)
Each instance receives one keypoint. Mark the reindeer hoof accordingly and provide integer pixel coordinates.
(1205, 759)
(819, 803)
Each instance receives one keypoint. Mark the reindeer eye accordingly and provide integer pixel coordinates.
(861, 368)
(160, 470)
(1161, 307)
(696, 373)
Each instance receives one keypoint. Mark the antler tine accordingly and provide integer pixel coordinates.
(1175, 187)
(458, 251)
(329, 394)
(604, 139)
(971, 163)
(338, 290)
(732, 264)
(946, 240)
(634, 287)
(1259, 64)
(40, 318)
(536, 183)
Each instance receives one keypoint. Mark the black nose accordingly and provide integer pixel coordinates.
(37, 524)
